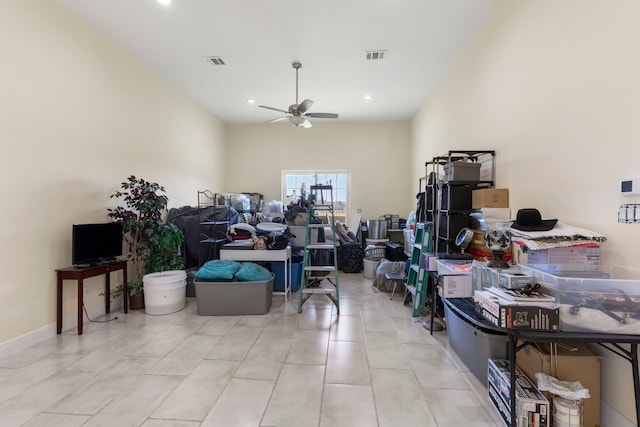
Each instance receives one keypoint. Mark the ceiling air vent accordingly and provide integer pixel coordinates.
(216, 60)
(375, 54)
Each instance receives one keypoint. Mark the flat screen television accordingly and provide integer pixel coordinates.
(94, 244)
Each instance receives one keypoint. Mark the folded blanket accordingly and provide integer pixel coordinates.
(218, 269)
(562, 235)
(252, 272)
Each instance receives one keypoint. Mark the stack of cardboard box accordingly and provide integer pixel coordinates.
(567, 362)
(532, 408)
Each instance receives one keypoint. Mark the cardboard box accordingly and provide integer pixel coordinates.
(517, 315)
(575, 258)
(456, 280)
(429, 261)
(532, 408)
(490, 198)
(485, 277)
(503, 409)
(514, 279)
(455, 286)
(571, 362)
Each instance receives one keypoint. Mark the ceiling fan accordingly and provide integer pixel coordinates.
(297, 113)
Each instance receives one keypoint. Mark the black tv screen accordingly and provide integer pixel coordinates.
(96, 243)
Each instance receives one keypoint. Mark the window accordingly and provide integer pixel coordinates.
(292, 183)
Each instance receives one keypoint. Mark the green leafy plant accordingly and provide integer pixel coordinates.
(162, 249)
(152, 245)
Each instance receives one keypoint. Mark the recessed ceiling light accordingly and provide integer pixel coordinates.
(251, 101)
(368, 97)
(165, 2)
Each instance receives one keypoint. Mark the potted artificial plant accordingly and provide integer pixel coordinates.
(153, 245)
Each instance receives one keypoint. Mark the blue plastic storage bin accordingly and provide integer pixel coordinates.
(296, 274)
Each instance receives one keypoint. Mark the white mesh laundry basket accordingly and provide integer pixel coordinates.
(374, 253)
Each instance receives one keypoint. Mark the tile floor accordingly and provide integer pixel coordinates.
(374, 365)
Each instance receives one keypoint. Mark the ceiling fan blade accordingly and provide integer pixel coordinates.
(306, 104)
(277, 120)
(274, 109)
(306, 124)
(322, 115)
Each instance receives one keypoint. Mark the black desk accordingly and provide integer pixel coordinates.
(81, 273)
(612, 342)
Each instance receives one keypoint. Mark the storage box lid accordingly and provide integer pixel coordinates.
(453, 267)
(461, 164)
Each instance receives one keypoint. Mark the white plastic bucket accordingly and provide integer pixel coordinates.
(566, 413)
(164, 292)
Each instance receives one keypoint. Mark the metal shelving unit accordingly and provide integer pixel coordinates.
(451, 203)
(213, 225)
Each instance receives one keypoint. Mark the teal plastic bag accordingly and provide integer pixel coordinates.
(218, 269)
(252, 272)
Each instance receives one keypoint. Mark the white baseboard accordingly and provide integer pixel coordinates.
(70, 322)
(609, 417)
(27, 340)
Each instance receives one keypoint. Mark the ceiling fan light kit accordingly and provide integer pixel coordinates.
(297, 113)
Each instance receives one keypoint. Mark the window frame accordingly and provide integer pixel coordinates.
(346, 188)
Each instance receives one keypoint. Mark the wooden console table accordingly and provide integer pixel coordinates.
(81, 273)
(282, 255)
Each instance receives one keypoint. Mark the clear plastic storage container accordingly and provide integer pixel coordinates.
(606, 300)
(453, 267)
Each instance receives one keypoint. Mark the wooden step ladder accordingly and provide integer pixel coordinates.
(320, 206)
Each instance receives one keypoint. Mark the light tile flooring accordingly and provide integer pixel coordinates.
(374, 365)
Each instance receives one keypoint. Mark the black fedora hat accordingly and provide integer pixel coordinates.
(530, 220)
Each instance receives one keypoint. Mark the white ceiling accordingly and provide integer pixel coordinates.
(259, 40)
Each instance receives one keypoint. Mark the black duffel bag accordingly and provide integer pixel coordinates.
(395, 252)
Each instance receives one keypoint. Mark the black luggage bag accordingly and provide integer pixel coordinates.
(350, 257)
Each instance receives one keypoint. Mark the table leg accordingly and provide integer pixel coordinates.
(287, 285)
(636, 380)
(434, 295)
(107, 292)
(512, 377)
(125, 288)
(59, 305)
(80, 296)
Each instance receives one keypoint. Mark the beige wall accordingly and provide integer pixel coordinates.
(376, 154)
(553, 87)
(77, 116)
